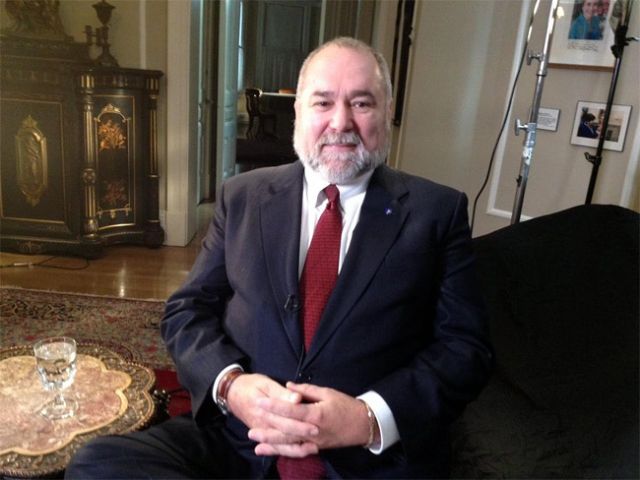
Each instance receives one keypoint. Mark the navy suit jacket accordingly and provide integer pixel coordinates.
(405, 319)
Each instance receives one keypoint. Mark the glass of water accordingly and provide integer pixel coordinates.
(56, 364)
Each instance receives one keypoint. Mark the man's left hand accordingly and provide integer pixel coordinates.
(342, 421)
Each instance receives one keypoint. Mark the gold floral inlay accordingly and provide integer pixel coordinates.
(111, 135)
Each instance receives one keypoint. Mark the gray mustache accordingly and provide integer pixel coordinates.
(331, 138)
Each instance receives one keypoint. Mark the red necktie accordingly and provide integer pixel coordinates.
(320, 270)
(318, 278)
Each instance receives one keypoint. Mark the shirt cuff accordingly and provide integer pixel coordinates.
(388, 429)
(214, 391)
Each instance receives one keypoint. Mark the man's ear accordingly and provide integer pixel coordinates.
(296, 105)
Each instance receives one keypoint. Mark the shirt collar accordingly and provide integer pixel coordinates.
(315, 183)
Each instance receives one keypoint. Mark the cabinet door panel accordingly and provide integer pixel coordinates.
(115, 126)
(33, 162)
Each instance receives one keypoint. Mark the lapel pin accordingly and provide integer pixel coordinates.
(388, 211)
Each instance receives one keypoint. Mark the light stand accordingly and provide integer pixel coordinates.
(531, 127)
(621, 41)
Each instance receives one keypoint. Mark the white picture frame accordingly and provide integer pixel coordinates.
(593, 113)
(567, 51)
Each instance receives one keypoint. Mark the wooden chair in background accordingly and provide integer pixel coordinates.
(262, 147)
(257, 118)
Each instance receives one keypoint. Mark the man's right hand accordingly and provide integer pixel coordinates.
(245, 391)
(242, 399)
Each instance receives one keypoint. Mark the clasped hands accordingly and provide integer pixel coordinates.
(296, 420)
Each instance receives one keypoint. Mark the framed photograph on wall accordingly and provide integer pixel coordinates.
(588, 123)
(583, 36)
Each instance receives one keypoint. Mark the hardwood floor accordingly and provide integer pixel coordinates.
(127, 271)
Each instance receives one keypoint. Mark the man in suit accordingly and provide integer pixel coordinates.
(399, 346)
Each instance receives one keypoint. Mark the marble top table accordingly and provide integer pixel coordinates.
(113, 397)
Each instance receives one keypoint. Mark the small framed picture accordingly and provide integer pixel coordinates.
(548, 119)
(587, 126)
(583, 35)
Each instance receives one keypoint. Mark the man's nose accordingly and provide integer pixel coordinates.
(342, 118)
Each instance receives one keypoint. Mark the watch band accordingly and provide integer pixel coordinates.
(223, 389)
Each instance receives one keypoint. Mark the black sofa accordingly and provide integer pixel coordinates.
(562, 292)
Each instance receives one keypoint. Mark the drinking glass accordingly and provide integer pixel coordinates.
(56, 364)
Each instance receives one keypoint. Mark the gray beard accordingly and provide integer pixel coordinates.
(340, 168)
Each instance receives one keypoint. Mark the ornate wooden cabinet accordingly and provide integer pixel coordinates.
(78, 168)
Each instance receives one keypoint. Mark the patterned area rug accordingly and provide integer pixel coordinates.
(132, 325)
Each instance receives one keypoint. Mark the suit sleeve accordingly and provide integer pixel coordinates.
(193, 324)
(431, 391)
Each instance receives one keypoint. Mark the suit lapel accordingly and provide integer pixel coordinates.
(381, 219)
(280, 211)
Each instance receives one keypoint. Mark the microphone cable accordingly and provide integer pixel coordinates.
(45, 264)
(506, 114)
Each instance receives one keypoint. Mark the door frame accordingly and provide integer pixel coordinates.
(181, 185)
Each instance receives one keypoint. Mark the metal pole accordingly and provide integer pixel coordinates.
(621, 41)
(596, 159)
(531, 127)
